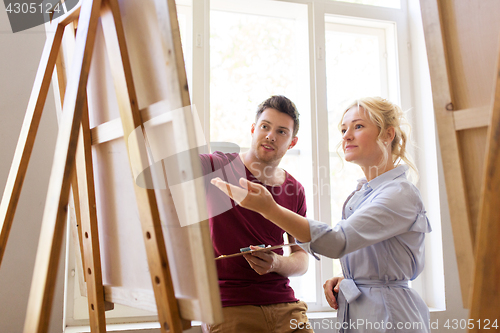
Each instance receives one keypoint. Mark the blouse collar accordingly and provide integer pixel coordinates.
(399, 171)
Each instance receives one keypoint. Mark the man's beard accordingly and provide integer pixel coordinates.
(266, 157)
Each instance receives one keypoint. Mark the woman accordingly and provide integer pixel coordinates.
(380, 239)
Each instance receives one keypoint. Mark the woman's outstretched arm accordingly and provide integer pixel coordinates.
(257, 198)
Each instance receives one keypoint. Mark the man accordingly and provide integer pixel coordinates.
(255, 291)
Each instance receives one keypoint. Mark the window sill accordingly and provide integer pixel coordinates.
(135, 326)
(333, 314)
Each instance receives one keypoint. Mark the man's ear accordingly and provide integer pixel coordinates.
(253, 128)
(293, 143)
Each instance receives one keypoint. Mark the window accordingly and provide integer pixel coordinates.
(344, 41)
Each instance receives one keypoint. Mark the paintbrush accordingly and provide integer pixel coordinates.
(252, 251)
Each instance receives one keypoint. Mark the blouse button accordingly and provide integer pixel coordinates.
(350, 208)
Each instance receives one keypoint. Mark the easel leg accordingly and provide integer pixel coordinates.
(85, 221)
(28, 133)
(59, 80)
(82, 184)
(168, 311)
(52, 231)
(90, 241)
(485, 304)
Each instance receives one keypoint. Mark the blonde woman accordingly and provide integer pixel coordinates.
(380, 239)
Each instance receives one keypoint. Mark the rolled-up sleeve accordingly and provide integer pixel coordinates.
(325, 240)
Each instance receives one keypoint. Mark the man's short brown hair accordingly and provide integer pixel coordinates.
(282, 104)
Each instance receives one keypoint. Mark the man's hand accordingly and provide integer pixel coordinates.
(331, 288)
(262, 262)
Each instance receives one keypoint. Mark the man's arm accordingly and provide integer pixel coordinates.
(296, 263)
(267, 262)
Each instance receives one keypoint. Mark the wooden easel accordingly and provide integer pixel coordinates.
(462, 39)
(485, 302)
(72, 167)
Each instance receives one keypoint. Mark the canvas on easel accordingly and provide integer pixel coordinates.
(126, 225)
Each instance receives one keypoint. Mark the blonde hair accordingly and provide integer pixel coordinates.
(386, 114)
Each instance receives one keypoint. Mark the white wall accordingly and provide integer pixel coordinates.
(19, 57)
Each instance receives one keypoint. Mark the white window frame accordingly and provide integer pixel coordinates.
(401, 94)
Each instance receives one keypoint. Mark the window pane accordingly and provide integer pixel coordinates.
(355, 68)
(250, 60)
(253, 55)
(381, 3)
